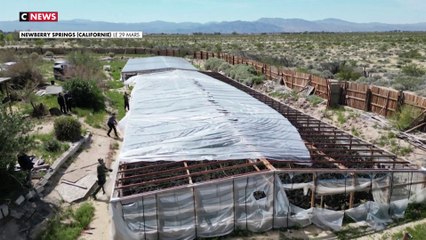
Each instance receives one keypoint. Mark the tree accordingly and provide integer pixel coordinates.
(85, 94)
(23, 72)
(2, 39)
(14, 138)
(27, 94)
(84, 66)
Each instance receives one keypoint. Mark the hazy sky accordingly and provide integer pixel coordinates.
(362, 11)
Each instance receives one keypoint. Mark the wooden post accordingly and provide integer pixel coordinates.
(352, 194)
(314, 178)
(400, 101)
(387, 104)
(390, 186)
(195, 212)
(367, 106)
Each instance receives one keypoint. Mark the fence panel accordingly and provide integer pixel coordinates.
(415, 101)
(356, 94)
(383, 100)
(321, 86)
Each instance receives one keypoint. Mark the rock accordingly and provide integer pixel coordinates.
(4, 211)
(19, 200)
(55, 111)
(30, 194)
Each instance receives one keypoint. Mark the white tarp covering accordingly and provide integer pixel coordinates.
(156, 64)
(186, 115)
(216, 209)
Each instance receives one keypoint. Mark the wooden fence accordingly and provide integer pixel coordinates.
(380, 100)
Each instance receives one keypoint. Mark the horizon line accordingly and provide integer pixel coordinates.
(150, 21)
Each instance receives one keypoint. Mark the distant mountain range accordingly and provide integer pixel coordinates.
(263, 25)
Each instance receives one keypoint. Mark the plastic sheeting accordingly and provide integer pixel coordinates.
(156, 64)
(208, 210)
(185, 115)
(216, 209)
(256, 203)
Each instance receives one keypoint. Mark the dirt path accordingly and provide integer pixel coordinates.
(81, 167)
(100, 227)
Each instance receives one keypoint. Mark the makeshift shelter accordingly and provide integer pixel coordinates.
(204, 155)
(135, 66)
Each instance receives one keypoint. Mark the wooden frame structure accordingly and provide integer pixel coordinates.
(333, 152)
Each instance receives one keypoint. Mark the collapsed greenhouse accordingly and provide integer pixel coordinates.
(204, 155)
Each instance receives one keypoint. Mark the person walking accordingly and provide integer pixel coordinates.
(68, 101)
(61, 102)
(126, 101)
(101, 170)
(111, 124)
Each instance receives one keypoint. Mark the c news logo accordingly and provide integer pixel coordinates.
(38, 16)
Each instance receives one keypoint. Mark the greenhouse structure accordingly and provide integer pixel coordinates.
(204, 155)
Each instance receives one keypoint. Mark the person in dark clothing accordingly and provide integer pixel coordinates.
(26, 163)
(126, 101)
(101, 170)
(29, 162)
(68, 101)
(61, 102)
(111, 124)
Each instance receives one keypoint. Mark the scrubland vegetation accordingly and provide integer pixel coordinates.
(394, 59)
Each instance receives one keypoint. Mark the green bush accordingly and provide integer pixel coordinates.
(213, 64)
(225, 67)
(85, 94)
(314, 100)
(257, 79)
(67, 129)
(403, 119)
(78, 221)
(84, 214)
(414, 53)
(242, 72)
(413, 70)
(52, 145)
(348, 72)
(24, 73)
(415, 211)
(85, 66)
(409, 83)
